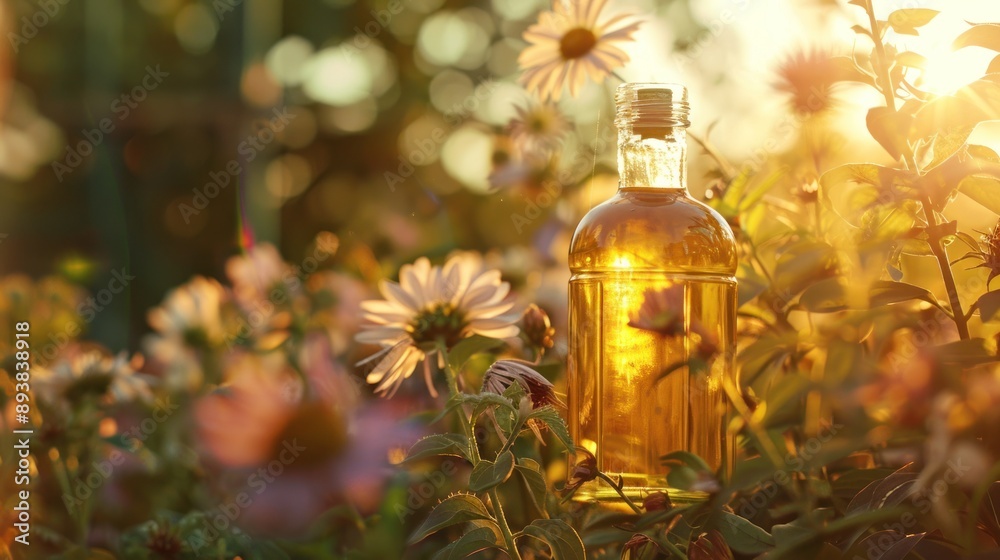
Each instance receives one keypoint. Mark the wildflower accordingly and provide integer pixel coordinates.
(503, 373)
(164, 541)
(809, 77)
(241, 423)
(537, 328)
(584, 470)
(336, 305)
(332, 449)
(710, 546)
(570, 43)
(430, 307)
(657, 501)
(89, 370)
(988, 253)
(538, 127)
(191, 312)
(527, 171)
(807, 191)
(662, 311)
(257, 273)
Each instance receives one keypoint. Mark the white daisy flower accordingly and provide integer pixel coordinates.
(191, 312)
(433, 305)
(572, 42)
(257, 273)
(538, 127)
(504, 373)
(89, 370)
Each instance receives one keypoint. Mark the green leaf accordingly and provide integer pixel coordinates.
(469, 543)
(489, 474)
(968, 352)
(884, 292)
(453, 403)
(971, 105)
(988, 305)
(889, 128)
(562, 540)
(492, 400)
(985, 35)
(686, 458)
(514, 393)
(802, 264)
(826, 296)
(901, 549)
(468, 348)
(911, 59)
(851, 189)
(743, 536)
(994, 66)
(846, 70)
(681, 477)
(534, 482)
(984, 190)
(907, 21)
(802, 529)
(550, 416)
(637, 548)
(830, 295)
(933, 151)
(456, 445)
(460, 508)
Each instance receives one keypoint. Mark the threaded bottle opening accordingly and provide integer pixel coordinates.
(651, 105)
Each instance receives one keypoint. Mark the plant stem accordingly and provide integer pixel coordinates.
(761, 440)
(883, 67)
(941, 254)
(508, 537)
(618, 489)
(961, 322)
(728, 172)
(470, 431)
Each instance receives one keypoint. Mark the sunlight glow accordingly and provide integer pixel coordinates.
(946, 72)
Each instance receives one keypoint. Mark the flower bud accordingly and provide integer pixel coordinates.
(537, 327)
(657, 501)
(584, 469)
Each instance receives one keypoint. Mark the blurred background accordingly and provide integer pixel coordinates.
(159, 135)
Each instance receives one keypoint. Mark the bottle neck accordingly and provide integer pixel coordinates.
(652, 157)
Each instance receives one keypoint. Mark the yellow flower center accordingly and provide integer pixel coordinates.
(577, 42)
(442, 322)
(539, 123)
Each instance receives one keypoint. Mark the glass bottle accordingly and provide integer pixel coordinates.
(653, 287)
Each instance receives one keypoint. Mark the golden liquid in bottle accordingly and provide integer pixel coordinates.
(622, 410)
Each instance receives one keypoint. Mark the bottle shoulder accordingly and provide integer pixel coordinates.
(653, 230)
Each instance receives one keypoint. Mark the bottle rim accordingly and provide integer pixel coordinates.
(653, 104)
